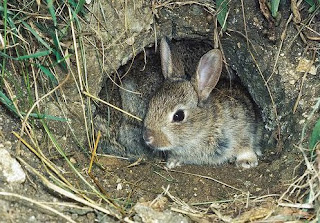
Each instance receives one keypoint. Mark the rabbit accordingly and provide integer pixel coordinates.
(196, 122)
(121, 133)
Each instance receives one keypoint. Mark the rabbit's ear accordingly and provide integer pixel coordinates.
(166, 59)
(171, 63)
(208, 73)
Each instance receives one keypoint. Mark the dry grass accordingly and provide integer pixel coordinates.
(39, 54)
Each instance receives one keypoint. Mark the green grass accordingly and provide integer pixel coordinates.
(312, 4)
(274, 6)
(33, 66)
(314, 138)
(33, 51)
(222, 9)
(20, 61)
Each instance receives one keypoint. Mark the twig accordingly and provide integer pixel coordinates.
(208, 178)
(112, 106)
(40, 204)
(66, 193)
(303, 206)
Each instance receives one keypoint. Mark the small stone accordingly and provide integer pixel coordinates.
(74, 216)
(292, 82)
(313, 70)
(8, 145)
(119, 186)
(32, 218)
(10, 169)
(130, 41)
(159, 204)
(148, 214)
(73, 160)
(247, 183)
(306, 65)
(209, 18)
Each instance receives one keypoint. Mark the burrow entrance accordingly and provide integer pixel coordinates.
(130, 89)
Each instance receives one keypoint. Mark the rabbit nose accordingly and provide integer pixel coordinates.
(147, 136)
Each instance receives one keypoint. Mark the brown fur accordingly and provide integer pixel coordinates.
(217, 127)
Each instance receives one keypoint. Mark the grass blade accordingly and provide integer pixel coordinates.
(312, 5)
(274, 7)
(79, 6)
(315, 136)
(222, 8)
(9, 105)
(25, 57)
(52, 12)
(36, 35)
(48, 74)
(34, 55)
(7, 102)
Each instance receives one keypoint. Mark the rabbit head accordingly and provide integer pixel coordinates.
(178, 110)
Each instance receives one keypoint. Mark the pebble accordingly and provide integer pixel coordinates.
(32, 218)
(292, 82)
(10, 169)
(73, 160)
(148, 214)
(119, 186)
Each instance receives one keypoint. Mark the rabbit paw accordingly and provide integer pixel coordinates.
(172, 163)
(247, 160)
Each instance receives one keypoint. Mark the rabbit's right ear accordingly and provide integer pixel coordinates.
(166, 59)
(208, 73)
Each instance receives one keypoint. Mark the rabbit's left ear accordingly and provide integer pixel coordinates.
(166, 58)
(208, 73)
(171, 62)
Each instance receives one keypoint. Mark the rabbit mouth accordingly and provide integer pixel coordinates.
(158, 147)
(164, 148)
(156, 140)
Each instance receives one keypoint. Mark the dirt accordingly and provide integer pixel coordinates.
(128, 181)
(195, 184)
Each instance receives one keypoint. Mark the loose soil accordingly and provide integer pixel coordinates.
(128, 182)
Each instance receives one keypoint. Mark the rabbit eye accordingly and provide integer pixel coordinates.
(178, 116)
